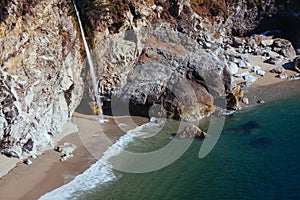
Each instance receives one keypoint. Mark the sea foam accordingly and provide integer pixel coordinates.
(100, 172)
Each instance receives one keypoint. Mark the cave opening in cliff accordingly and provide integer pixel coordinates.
(280, 26)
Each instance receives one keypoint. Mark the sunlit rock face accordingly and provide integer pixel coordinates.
(40, 84)
(146, 50)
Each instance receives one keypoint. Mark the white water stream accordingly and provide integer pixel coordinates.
(91, 66)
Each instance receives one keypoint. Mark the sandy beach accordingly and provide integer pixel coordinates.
(269, 87)
(47, 172)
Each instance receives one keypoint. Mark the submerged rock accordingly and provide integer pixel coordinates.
(245, 128)
(192, 131)
(250, 125)
(261, 142)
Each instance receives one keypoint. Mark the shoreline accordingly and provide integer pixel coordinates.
(269, 87)
(276, 91)
(47, 173)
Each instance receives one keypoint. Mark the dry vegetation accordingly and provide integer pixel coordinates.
(209, 7)
(213, 8)
(97, 15)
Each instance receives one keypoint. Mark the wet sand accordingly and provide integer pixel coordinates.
(47, 172)
(273, 92)
(270, 88)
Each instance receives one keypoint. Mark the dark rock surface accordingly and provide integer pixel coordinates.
(296, 64)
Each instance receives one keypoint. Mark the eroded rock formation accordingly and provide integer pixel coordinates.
(192, 131)
(40, 74)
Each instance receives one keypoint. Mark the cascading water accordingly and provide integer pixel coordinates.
(91, 66)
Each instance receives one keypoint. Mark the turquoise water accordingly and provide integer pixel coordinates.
(256, 157)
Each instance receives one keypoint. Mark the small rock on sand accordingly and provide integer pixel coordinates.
(260, 101)
(277, 70)
(249, 78)
(274, 61)
(245, 100)
(27, 162)
(267, 42)
(282, 76)
(66, 150)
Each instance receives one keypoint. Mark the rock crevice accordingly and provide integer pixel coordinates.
(40, 75)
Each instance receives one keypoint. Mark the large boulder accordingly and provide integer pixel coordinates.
(233, 98)
(233, 68)
(284, 47)
(192, 131)
(182, 92)
(172, 70)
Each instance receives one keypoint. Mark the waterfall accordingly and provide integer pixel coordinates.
(91, 66)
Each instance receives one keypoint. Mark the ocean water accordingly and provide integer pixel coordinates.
(256, 157)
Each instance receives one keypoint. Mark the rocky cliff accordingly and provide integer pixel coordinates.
(148, 59)
(40, 74)
(179, 55)
(146, 50)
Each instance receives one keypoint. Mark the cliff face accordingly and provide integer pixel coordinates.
(40, 74)
(145, 51)
(146, 59)
(172, 54)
